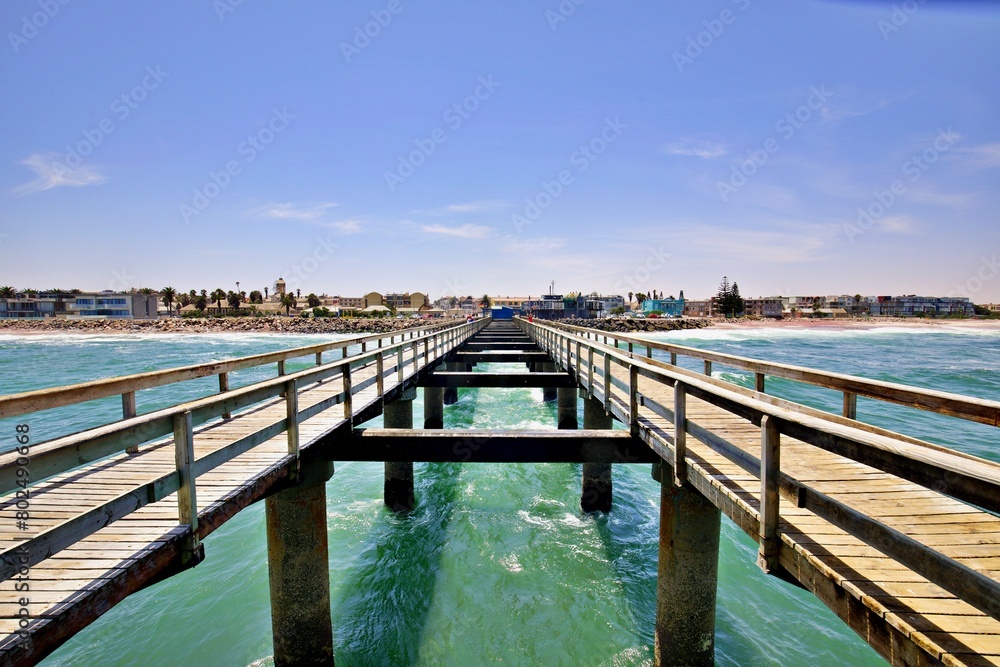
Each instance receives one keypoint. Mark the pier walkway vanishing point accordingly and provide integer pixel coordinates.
(899, 537)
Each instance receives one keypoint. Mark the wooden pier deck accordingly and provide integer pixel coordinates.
(899, 537)
(898, 561)
(97, 533)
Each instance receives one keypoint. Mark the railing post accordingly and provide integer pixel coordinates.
(607, 381)
(128, 412)
(633, 399)
(759, 382)
(770, 465)
(187, 499)
(223, 388)
(380, 372)
(850, 405)
(673, 358)
(343, 352)
(680, 434)
(708, 367)
(348, 397)
(590, 370)
(292, 413)
(319, 358)
(399, 363)
(629, 348)
(281, 368)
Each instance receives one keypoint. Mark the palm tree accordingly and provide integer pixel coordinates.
(298, 293)
(7, 292)
(147, 291)
(217, 296)
(167, 296)
(289, 301)
(485, 302)
(201, 301)
(265, 293)
(313, 300)
(234, 300)
(630, 300)
(255, 297)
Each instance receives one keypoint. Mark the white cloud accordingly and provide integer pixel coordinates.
(467, 231)
(705, 149)
(525, 246)
(475, 206)
(984, 156)
(788, 244)
(290, 211)
(51, 173)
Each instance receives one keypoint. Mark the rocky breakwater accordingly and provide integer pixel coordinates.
(288, 325)
(630, 325)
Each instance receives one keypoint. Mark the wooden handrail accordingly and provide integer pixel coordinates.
(13, 405)
(980, 410)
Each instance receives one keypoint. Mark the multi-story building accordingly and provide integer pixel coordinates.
(108, 305)
(515, 303)
(699, 307)
(992, 307)
(765, 306)
(597, 305)
(669, 306)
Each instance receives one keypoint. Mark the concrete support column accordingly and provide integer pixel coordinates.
(548, 393)
(687, 575)
(398, 487)
(451, 393)
(299, 570)
(566, 409)
(433, 407)
(596, 495)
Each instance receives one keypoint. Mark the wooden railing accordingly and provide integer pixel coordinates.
(65, 453)
(961, 476)
(973, 409)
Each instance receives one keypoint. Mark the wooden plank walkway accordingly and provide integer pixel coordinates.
(71, 588)
(904, 616)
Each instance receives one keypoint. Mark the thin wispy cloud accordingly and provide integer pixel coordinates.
(705, 149)
(288, 211)
(787, 244)
(850, 105)
(466, 231)
(51, 172)
(478, 206)
(984, 156)
(528, 246)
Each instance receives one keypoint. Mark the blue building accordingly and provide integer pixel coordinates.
(670, 307)
(502, 312)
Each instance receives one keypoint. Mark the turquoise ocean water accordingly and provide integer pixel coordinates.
(496, 563)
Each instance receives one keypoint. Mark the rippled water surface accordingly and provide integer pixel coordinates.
(496, 563)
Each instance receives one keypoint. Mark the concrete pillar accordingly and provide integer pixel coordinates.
(596, 495)
(398, 487)
(299, 570)
(433, 407)
(548, 393)
(451, 393)
(566, 409)
(687, 575)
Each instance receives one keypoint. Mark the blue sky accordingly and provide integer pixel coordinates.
(807, 147)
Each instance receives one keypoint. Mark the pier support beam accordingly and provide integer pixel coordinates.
(299, 570)
(596, 495)
(687, 574)
(433, 407)
(451, 393)
(398, 487)
(549, 393)
(566, 409)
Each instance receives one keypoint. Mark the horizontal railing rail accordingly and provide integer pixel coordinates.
(13, 405)
(980, 410)
(961, 476)
(66, 453)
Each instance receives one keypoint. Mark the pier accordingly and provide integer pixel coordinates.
(899, 537)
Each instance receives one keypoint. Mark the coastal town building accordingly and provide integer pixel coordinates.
(699, 307)
(70, 305)
(992, 307)
(765, 306)
(669, 306)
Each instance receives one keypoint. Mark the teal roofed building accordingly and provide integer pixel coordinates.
(670, 307)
